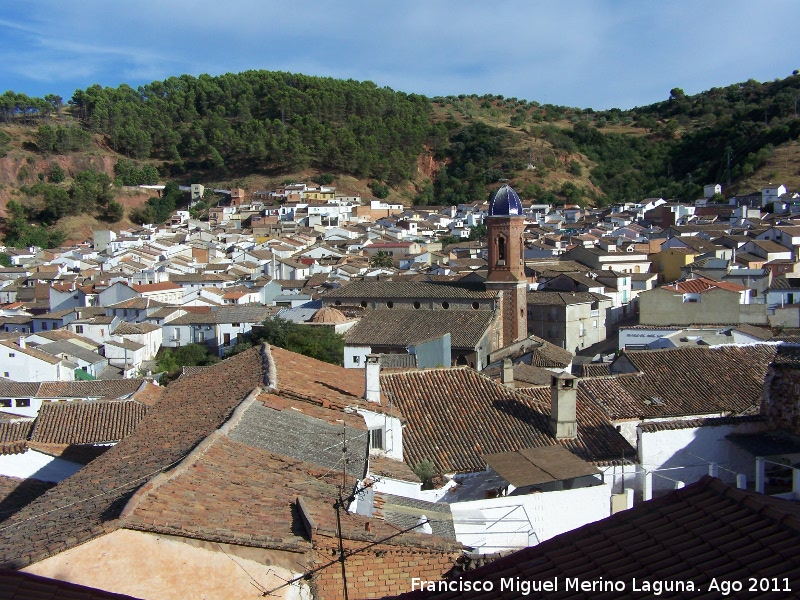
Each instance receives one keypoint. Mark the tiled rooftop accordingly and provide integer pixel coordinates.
(289, 431)
(88, 503)
(403, 289)
(454, 416)
(87, 422)
(702, 531)
(398, 327)
(236, 493)
(685, 381)
(319, 382)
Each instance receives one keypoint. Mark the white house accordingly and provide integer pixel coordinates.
(19, 362)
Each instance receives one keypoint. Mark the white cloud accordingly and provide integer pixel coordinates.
(587, 53)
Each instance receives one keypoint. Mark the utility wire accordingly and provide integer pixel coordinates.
(119, 487)
(346, 556)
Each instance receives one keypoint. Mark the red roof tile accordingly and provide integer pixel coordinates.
(705, 530)
(87, 422)
(87, 504)
(454, 416)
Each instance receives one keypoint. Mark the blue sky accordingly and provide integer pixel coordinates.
(599, 54)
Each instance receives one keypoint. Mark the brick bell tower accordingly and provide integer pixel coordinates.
(505, 227)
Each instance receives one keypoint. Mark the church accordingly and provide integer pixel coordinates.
(484, 320)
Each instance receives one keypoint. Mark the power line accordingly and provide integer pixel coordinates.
(119, 487)
(347, 555)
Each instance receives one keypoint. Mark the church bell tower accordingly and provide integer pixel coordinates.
(505, 227)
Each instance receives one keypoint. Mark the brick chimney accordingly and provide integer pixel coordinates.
(372, 378)
(563, 394)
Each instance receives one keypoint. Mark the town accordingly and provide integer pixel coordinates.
(522, 390)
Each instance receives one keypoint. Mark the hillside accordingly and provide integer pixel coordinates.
(258, 129)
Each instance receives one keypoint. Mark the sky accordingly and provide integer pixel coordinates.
(596, 54)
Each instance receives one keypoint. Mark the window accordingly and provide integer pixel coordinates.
(11, 355)
(356, 360)
(78, 328)
(23, 402)
(376, 439)
(44, 325)
(235, 324)
(5, 402)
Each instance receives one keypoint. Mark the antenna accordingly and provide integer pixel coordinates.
(338, 506)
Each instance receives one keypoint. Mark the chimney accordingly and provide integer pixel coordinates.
(507, 374)
(372, 376)
(563, 420)
(22, 343)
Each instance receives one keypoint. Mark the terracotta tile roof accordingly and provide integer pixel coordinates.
(148, 393)
(651, 426)
(32, 352)
(688, 381)
(409, 289)
(397, 327)
(405, 513)
(594, 370)
(17, 585)
(549, 356)
(14, 434)
(156, 287)
(456, 415)
(18, 389)
(65, 334)
(704, 530)
(382, 466)
(137, 303)
(78, 453)
(88, 504)
(95, 390)
(221, 497)
(87, 422)
(761, 333)
(524, 375)
(318, 382)
(286, 428)
(563, 298)
(698, 285)
(125, 328)
(16, 493)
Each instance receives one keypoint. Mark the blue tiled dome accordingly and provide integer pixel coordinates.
(505, 203)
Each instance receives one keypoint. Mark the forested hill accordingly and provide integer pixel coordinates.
(259, 119)
(278, 124)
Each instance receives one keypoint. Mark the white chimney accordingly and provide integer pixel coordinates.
(372, 376)
(22, 343)
(507, 373)
(563, 419)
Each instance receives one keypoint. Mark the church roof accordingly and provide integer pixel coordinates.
(505, 203)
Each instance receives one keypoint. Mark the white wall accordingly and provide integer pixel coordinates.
(642, 336)
(356, 351)
(490, 526)
(392, 431)
(38, 466)
(685, 453)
